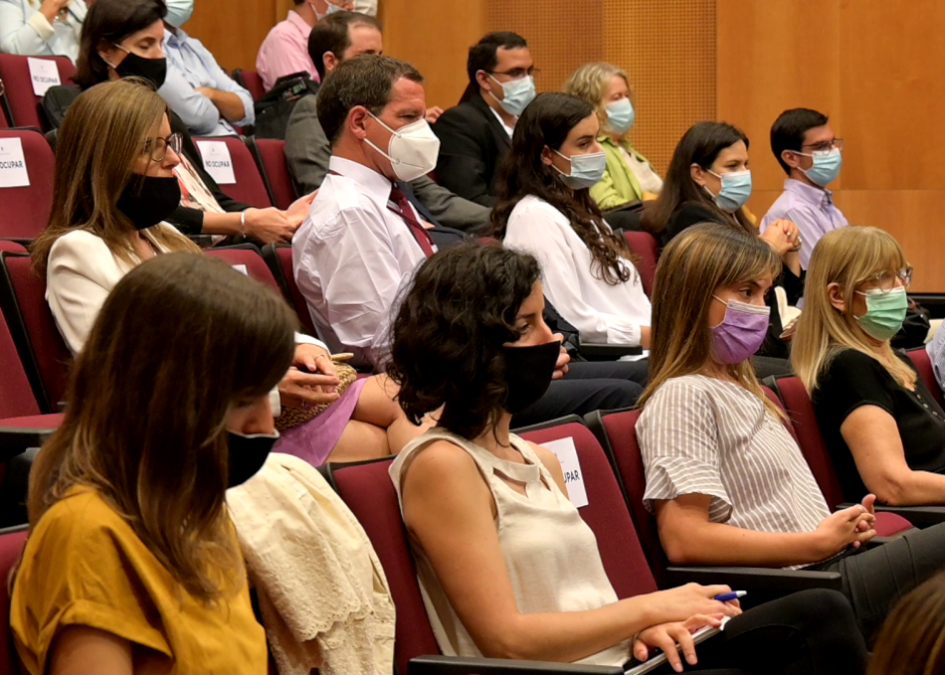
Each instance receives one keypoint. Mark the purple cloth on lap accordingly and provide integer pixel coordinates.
(314, 440)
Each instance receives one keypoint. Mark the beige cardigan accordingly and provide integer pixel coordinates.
(322, 592)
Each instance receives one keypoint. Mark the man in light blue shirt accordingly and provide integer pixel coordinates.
(199, 91)
(810, 154)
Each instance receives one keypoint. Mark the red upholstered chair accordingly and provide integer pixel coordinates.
(24, 104)
(922, 362)
(11, 247)
(12, 541)
(270, 158)
(250, 80)
(249, 187)
(646, 248)
(42, 350)
(279, 259)
(248, 260)
(369, 493)
(26, 209)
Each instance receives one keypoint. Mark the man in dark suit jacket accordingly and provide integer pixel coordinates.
(476, 135)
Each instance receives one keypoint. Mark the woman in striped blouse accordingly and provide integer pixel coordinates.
(726, 480)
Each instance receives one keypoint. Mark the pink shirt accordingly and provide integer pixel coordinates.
(285, 51)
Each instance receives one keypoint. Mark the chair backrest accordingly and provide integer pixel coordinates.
(246, 259)
(606, 511)
(250, 81)
(16, 394)
(26, 209)
(42, 350)
(923, 363)
(15, 73)
(279, 259)
(270, 156)
(11, 545)
(801, 411)
(249, 187)
(646, 248)
(369, 493)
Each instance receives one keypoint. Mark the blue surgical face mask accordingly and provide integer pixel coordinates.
(516, 94)
(736, 189)
(586, 170)
(826, 166)
(178, 12)
(620, 115)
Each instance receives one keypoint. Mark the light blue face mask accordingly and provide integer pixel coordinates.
(826, 166)
(736, 189)
(178, 12)
(516, 95)
(885, 312)
(586, 170)
(620, 115)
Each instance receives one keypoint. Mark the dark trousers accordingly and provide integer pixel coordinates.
(806, 633)
(875, 579)
(602, 385)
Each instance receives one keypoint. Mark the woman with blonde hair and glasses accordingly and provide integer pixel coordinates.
(132, 564)
(629, 176)
(725, 478)
(883, 428)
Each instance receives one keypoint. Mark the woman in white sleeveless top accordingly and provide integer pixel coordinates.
(506, 564)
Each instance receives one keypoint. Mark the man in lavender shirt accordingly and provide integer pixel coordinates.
(810, 154)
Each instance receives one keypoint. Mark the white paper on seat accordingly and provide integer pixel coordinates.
(44, 74)
(12, 164)
(573, 477)
(241, 269)
(217, 161)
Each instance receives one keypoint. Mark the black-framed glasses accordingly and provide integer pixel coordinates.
(158, 147)
(517, 73)
(825, 146)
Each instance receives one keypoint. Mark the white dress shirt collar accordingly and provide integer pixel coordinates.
(375, 185)
(508, 129)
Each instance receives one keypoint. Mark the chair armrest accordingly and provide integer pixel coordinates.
(771, 578)
(920, 516)
(14, 440)
(461, 665)
(202, 240)
(602, 351)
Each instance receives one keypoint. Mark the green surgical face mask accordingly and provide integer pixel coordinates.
(885, 312)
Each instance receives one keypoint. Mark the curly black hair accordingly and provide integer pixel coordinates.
(447, 337)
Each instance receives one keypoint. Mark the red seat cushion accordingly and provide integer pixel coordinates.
(645, 247)
(923, 364)
(26, 209)
(11, 545)
(272, 157)
(50, 421)
(247, 258)
(15, 73)
(298, 300)
(249, 187)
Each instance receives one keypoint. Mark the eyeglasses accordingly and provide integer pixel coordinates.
(161, 145)
(886, 281)
(826, 146)
(517, 73)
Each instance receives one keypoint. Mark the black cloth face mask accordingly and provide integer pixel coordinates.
(247, 455)
(147, 200)
(138, 66)
(528, 372)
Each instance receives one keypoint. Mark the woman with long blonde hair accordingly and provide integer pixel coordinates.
(883, 428)
(132, 565)
(726, 480)
(629, 176)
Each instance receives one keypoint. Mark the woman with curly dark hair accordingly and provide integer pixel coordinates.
(507, 564)
(545, 208)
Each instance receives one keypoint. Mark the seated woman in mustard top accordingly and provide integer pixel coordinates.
(132, 565)
(629, 176)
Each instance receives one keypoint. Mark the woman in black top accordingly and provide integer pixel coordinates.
(883, 428)
(709, 181)
(122, 38)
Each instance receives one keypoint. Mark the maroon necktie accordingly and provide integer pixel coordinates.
(403, 209)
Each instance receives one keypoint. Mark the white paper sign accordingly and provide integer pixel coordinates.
(217, 161)
(12, 164)
(44, 73)
(573, 477)
(241, 269)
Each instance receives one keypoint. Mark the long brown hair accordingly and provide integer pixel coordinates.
(181, 341)
(546, 122)
(848, 257)
(696, 262)
(106, 130)
(912, 640)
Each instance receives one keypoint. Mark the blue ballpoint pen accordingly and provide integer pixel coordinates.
(734, 595)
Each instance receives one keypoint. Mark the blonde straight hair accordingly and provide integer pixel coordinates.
(106, 130)
(697, 262)
(847, 256)
(589, 82)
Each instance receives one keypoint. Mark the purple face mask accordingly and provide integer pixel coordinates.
(741, 332)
